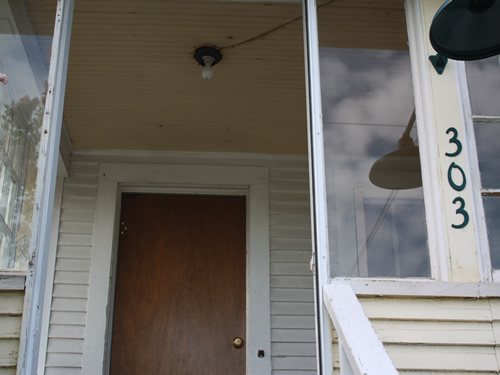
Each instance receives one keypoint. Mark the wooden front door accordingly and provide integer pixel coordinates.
(180, 286)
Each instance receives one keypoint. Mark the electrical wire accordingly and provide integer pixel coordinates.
(282, 26)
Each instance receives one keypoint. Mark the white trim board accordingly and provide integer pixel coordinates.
(113, 179)
(419, 288)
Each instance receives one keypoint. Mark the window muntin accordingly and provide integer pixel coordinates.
(367, 100)
(483, 79)
(24, 60)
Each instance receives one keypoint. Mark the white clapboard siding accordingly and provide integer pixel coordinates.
(436, 335)
(292, 308)
(72, 271)
(292, 296)
(11, 308)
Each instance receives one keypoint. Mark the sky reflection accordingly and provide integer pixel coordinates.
(367, 100)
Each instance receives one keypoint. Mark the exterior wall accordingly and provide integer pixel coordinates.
(11, 309)
(292, 310)
(72, 271)
(436, 335)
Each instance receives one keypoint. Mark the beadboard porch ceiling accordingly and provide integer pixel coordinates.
(133, 83)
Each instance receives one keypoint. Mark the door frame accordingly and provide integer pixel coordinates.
(252, 182)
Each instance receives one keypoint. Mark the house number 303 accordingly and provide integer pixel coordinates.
(461, 184)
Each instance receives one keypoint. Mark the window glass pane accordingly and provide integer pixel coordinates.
(492, 214)
(374, 195)
(483, 78)
(487, 136)
(25, 39)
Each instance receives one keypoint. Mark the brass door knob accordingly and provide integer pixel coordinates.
(238, 342)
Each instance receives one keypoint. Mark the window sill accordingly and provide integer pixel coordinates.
(12, 281)
(419, 288)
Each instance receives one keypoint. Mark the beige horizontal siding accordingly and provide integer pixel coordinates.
(436, 335)
(72, 271)
(11, 308)
(292, 297)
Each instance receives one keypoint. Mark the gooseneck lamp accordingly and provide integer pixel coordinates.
(467, 29)
(400, 169)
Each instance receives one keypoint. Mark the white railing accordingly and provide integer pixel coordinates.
(360, 350)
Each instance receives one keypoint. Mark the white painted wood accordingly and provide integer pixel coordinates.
(64, 359)
(77, 215)
(66, 277)
(70, 290)
(477, 208)
(419, 288)
(432, 309)
(292, 322)
(66, 331)
(69, 304)
(12, 281)
(65, 345)
(345, 366)
(10, 327)
(435, 332)
(461, 244)
(113, 177)
(34, 306)
(447, 358)
(97, 313)
(360, 343)
(11, 303)
(291, 281)
(293, 363)
(417, 40)
(187, 158)
(293, 335)
(81, 265)
(8, 352)
(292, 308)
(489, 119)
(68, 318)
(75, 239)
(50, 273)
(148, 174)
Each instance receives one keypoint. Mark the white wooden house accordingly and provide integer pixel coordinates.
(153, 221)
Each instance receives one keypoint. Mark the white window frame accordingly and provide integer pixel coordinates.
(487, 270)
(435, 221)
(34, 301)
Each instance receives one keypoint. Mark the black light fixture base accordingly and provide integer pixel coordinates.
(438, 62)
(467, 29)
(204, 51)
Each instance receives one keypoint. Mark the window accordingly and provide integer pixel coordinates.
(376, 218)
(24, 59)
(483, 77)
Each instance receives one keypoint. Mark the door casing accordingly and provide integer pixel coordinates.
(114, 179)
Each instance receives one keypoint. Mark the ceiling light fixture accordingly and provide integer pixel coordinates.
(207, 56)
(467, 29)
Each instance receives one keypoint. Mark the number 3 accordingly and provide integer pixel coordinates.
(454, 140)
(461, 211)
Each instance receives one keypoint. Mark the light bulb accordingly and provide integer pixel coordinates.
(207, 71)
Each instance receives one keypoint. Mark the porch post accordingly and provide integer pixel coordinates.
(317, 185)
(34, 308)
